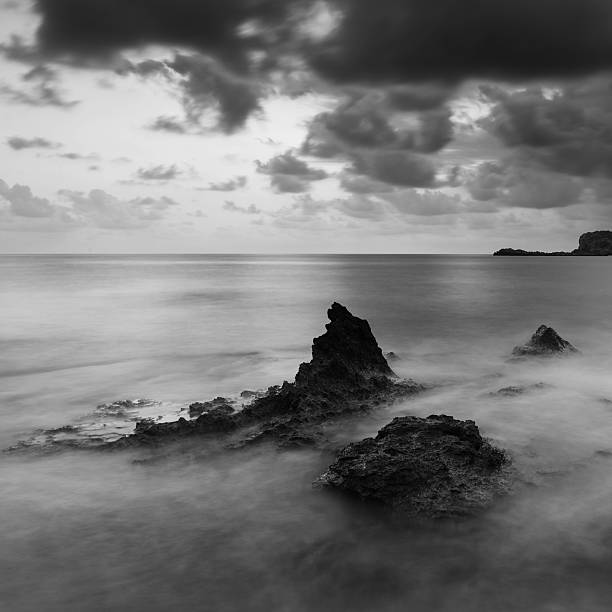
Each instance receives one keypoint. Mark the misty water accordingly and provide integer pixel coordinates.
(192, 527)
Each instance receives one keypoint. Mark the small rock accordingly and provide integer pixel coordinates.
(545, 342)
(436, 467)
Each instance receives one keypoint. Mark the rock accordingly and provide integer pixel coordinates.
(513, 391)
(219, 404)
(591, 243)
(595, 243)
(347, 353)
(435, 467)
(545, 342)
(246, 394)
(522, 253)
(347, 374)
(391, 356)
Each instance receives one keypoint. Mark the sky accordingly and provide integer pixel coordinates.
(303, 126)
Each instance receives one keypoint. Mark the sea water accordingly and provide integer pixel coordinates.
(189, 527)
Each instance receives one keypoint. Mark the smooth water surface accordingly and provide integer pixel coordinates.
(186, 528)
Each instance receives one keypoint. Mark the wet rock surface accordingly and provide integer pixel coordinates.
(544, 342)
(436, 467)
(219, 404)
(347, 374)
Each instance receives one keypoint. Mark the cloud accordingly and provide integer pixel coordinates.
(287, 163)
(165, 123)
(401, 168)
(19, 143)
(159, 173)
(446, 40)
(96, 208)
(369, 121)
(394, 41)
(79, 156)
(105, 211)
(523, 187)
(289, 174)
(203, 85)
(358, 184)
(40, 89)
(230, 185)
(426, 203)
(567, 129)
(230, 30)
(22, 203)
(245, 210)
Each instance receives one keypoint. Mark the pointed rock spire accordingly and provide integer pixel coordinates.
(545, 341)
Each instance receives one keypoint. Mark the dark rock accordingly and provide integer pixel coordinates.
(246, 394)
(513, 391)
(391, 356)
(595, 243)
(437, 467)
(592, 243)
(347, 374)
(219, 403)
(522, 253)
(545, 342)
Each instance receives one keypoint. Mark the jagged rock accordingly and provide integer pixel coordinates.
(437, 467)
(545, 342)
(219, 404)
(347, 374)
(391, 356)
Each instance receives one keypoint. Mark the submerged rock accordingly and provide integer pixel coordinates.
(545, 342)
(515, 390)
(347, 374)
(436, 467)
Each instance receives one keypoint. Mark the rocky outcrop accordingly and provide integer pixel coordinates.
(435, 467)
(219, 404)
(592, 243)
(347, 374)
(545, 342)
(595, 243)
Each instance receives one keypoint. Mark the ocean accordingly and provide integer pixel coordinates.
(181, 527)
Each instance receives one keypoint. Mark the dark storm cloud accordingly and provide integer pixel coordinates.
(421, 40)
(18, 143)
(369, 122)
(217, 27)
(387, 41)
(519, 186)
(567, 130)
(203, 85)
(400, 168)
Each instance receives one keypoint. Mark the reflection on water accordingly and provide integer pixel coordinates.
(189, 527)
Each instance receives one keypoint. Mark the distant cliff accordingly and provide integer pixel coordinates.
(592, 243)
